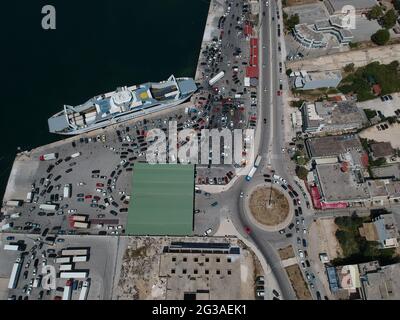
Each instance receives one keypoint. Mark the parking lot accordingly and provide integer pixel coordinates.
(386, 106)
(36, 252)
(97, 167)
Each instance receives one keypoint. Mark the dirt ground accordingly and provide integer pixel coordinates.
(264, 213)
(299, 2)
(324, 230)
(286, 253)
(298, 283)
(392, 134)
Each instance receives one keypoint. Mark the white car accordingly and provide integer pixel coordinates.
(241, 194)
(71, 210)
(304, 230)
(120, 226)
(110, 227)
(208, 231)
(81, 183)
(301, 254)
(260, 293)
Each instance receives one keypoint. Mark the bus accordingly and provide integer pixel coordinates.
(257, 162)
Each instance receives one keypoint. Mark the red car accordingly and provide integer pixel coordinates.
(88, 196)
(247, 229)
(97, 198)
(278, 93)
(100, 185)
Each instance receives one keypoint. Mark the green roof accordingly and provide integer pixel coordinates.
(161, 200)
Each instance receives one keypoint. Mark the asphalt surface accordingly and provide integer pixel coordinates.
(271, 144)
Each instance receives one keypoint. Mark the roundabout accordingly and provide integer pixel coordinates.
(268, 207)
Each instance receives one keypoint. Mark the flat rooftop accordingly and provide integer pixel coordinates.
(337, 185)
(333, 145)
(161, 200)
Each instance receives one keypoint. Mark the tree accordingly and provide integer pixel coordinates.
(396, 4)
(389, 19)
(349, 67)
(381, 37)
(301, 172)
(292, 21)
(376, 12)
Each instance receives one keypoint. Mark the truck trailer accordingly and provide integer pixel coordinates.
(217, 77)
(16, 270)
(73, 274)
(48, 156)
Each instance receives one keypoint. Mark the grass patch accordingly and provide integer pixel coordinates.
(357, 249)
(386, 75)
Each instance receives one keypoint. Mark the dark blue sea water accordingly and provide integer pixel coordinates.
(97, 46)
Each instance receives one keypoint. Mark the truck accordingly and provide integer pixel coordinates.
(74, 252)
(48, 207)
(48, 156)
(6, 226)
(78, 217)
(67, 190)
(67, 292)
(66, 267)
(11, 247)
(63, 260)
(29, 197)
(14, 203)
(75, 155)
(217, 77)
(37, 281)
(73, 274)
(80, 225)
(251, 174)
(15, 215)
(85, 290)
(15, 272)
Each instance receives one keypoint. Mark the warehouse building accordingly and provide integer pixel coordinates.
(162, 200)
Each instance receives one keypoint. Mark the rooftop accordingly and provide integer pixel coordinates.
(337, 185)
(383, 284)
(333, 145)
(358, 4)
(332, 116)
(381, 149)
(162, 200)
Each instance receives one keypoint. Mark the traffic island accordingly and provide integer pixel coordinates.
(269, 208)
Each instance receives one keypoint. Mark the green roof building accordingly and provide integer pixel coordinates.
(162, 200)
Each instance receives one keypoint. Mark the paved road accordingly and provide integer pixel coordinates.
(269, 143)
